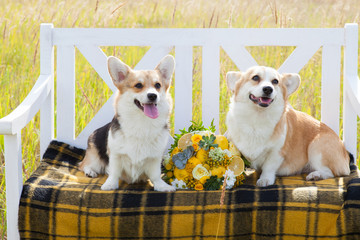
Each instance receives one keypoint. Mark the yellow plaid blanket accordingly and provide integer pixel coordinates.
(59, 202)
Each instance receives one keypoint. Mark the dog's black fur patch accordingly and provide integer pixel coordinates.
(352, 159)
(114, 124)
(100, 138)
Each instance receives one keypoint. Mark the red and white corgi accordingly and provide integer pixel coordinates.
(274, 137)
(131, 146)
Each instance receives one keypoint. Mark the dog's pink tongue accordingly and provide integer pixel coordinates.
(265, 100)
(151, 110)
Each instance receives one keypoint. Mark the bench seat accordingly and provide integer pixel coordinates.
(59, 202)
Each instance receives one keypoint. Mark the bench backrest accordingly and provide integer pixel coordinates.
(232, 41)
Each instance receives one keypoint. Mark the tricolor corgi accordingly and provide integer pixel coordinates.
(131, 146)
(274, 137)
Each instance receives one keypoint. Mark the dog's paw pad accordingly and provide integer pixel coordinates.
(109, 186)
(264, 182)
(314, 176)
(90, 173)
(164, 188)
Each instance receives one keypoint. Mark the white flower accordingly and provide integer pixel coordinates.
(228, 153)
(166, 158)
(230, 179)
(200, 171)
(217, 154)
(179, 184)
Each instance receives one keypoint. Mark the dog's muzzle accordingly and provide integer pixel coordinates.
(150, 109)
(261, 101)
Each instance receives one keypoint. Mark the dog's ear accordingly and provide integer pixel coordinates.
(118, 70)
(291, 81)
(166, 68)
(231, 78)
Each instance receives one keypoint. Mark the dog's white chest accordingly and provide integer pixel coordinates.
(252, 133)
(251, 142)
(138, 143)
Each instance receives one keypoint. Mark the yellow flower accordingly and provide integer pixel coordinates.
(199, 187)
(191, 163)
(219, 172)
(194, 161)
(195, 146)
(199, 171)
(175, 151)
(169, 174)
(203, 179)
(196, 138)
(206, 166)
(202, 155)
(180, 174)
(169, 166)
(222, 142)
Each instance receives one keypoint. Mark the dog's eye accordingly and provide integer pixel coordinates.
(275, 81)
(157, 85)
(256, 78)
(139, 85)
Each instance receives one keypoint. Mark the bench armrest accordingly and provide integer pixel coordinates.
(19, 118)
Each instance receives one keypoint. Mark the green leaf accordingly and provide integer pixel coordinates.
(246, 162)
(207, 142)
(213, 183)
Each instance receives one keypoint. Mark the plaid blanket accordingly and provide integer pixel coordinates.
(59, 202)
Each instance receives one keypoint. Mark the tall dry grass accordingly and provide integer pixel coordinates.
(19, 50)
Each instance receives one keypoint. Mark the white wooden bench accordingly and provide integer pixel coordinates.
(162, 41)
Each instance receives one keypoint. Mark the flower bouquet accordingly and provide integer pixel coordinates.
(201, 160)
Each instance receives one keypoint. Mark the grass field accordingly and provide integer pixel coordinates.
(19, 50)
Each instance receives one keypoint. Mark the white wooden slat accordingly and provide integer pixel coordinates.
(353, 97)
(240, 56)
(330, 86)
(47, 122)
(98, 60)
(102, 117)
(350, 85)
(298, 58)
(198, 37)
(210, 84)
(152, 57)
(183, 86)
(65, 93)
(47, 67)
(13, 180)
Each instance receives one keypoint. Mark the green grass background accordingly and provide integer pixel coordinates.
(19, 50)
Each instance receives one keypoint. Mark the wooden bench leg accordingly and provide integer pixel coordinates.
(13, 179)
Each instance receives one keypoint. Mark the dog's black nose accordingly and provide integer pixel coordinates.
(152, 96)
(267, 90)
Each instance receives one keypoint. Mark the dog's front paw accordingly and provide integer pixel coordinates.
(89, 172)
(164, 187)
(264, 182)
(316, 175)
(110, 185)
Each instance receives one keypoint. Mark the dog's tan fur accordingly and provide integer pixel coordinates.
(131, 146)
(292, 142)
